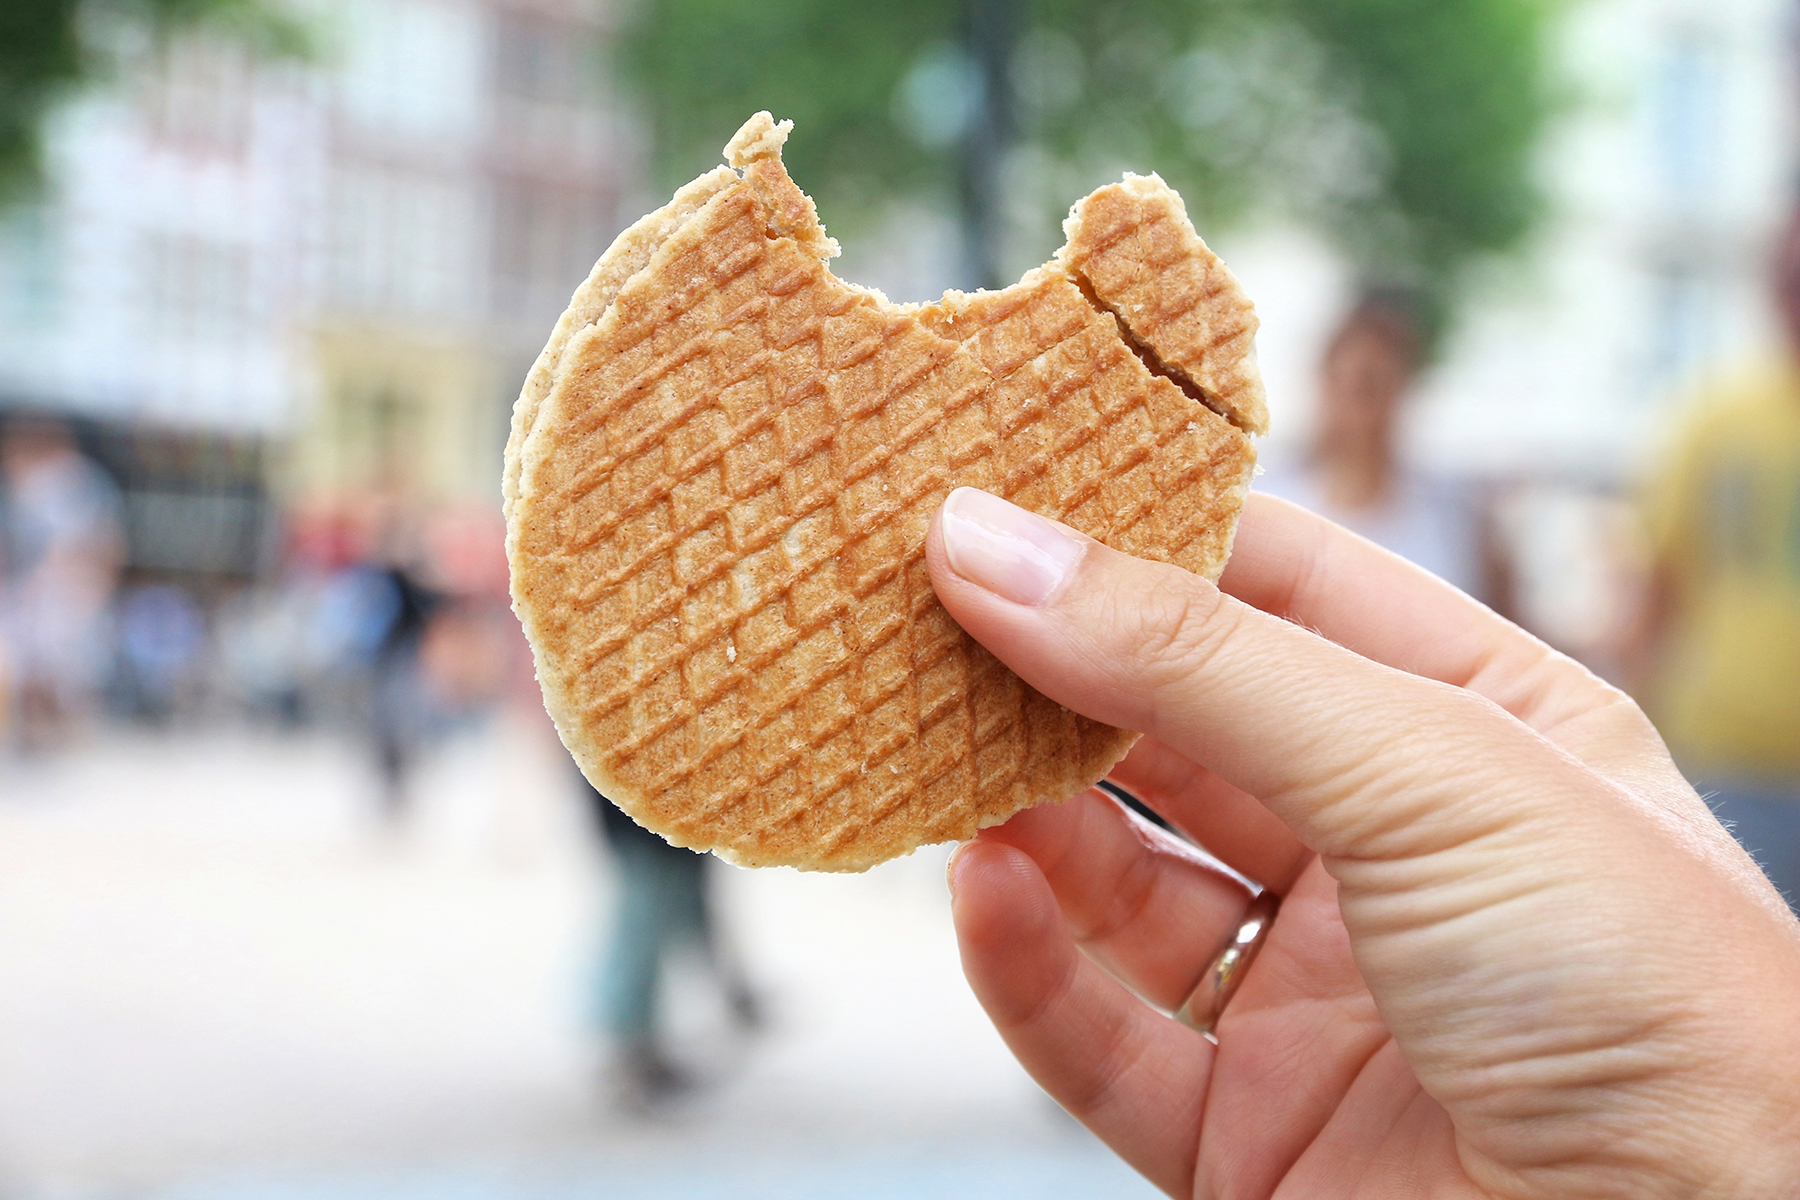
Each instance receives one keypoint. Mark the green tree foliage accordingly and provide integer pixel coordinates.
(1405, 127)
(702, 66)
(40, 54)
(50, 47)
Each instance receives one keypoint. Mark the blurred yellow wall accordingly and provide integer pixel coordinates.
(399, 411)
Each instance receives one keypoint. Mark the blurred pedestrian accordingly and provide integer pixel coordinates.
(398, 716)
(663, 907)
(1724, 676)
(63, 542)
(367, 626)
(1354, 472)
(162, 640)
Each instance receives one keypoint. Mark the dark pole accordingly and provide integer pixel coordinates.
(990, 32)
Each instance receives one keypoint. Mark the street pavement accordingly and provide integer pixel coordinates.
(221, 978)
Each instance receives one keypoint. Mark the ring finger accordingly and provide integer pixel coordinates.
(1130, 891)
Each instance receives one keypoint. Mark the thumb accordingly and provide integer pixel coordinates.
(1361, 760)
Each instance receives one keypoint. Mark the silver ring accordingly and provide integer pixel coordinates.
(1206, 1003)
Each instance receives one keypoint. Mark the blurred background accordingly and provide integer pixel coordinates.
(300, 897)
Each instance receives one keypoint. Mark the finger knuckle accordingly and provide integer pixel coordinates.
(1115, 1062)
(1179, 628)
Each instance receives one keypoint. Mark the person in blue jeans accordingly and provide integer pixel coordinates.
(663, 907)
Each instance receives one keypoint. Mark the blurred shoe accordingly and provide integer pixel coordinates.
(747, 1010)
(644, 1081)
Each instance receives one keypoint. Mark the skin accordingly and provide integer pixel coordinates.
(1367, 372)
(1515, 955)
(1365, 375)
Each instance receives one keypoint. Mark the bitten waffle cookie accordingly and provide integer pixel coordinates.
(723, 467)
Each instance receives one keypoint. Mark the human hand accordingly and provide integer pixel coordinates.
(1515, 956)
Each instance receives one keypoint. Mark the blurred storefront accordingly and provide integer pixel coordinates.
(400, 413)
(195, 504)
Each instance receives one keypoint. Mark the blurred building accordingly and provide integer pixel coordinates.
(468, 185)
(1668, 179)
(311, 279)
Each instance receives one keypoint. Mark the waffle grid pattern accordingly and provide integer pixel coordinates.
(741, 488)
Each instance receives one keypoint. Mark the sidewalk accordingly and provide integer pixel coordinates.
(219, 979)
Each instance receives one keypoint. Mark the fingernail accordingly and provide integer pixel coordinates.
(1001, 547)
(950, 866)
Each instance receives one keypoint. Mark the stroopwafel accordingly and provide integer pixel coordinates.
(723, 466)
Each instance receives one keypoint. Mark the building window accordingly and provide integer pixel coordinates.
(1687, 102)
(546, 239)
(197, 290)
(30, 269)
(546, 61)
(197, 98)
(412, 67)
(401, 241)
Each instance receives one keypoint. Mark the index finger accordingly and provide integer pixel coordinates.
(1297, 565)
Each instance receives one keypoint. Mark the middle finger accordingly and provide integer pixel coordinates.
(1229, 823)
(1141, 903)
